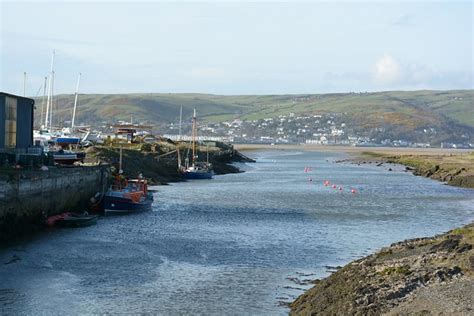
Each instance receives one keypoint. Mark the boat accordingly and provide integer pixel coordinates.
(68, 140)
(128, 196)
(69, 219)
(67, 157)
(77, 220)
(197, 170)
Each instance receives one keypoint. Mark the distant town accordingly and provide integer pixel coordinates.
(323, 129)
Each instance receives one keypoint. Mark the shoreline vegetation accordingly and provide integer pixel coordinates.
(158, 162)
(451, 168)
(422, 276)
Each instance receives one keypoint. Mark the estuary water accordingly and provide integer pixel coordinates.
(240, 244)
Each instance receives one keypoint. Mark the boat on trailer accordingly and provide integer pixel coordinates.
(67, 157)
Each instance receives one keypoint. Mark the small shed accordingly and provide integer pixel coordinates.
(16, 122)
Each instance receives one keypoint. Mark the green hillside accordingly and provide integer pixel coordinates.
(402, 110)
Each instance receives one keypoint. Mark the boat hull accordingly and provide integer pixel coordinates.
(68, 158)
(69, 219)
(121, 205)
(77, 221)
(198, 175)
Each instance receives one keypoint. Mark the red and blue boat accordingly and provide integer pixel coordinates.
(128, 196)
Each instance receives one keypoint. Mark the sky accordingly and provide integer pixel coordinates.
(229, 47)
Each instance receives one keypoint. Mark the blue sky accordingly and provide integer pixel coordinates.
(237, 47)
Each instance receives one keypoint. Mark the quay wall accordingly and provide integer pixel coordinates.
(27, 197)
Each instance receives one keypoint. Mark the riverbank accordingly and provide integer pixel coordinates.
(424, 275)
(159, 164)
(455, 169)
(453, 166)
(353, 149)
(420, 276)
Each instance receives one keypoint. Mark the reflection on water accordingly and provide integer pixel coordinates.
(237, 244)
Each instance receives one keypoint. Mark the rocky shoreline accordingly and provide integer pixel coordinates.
(419, 276)
(453, 169)
(160, 165)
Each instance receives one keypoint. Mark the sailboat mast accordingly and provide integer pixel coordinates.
(120, 161)
(194, 136)
(179, 158)
(180, 118)
(42, 102)
(51, 105)
(24, 84)
(75, 101)
(48, 102)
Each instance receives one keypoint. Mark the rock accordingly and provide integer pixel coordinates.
(395, 276)
(464, 247)
(446, 245)
(471, 262)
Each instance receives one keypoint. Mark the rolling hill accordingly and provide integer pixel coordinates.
(449, 112)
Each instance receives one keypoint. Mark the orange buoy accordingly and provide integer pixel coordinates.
(353, 191)
(334, 186)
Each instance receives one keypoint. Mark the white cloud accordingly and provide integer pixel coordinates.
(387, 70)
(390, 73)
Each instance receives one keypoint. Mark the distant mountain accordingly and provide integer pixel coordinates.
(449, 112)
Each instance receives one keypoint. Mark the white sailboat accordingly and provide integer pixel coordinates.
(197, 170)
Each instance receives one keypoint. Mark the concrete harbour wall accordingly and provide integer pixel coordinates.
(27, 196)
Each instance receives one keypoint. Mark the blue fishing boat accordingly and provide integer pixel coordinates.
(198, 171)
(131, 196)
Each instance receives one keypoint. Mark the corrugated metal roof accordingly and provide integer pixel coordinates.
(16, 96)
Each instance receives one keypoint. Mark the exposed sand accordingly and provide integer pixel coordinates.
(351, 149)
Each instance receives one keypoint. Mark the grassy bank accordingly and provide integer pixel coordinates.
(421, 276)
(353, 149)
(453, 168)
(160, 163)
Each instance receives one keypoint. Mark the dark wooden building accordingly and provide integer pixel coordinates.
(16, 122)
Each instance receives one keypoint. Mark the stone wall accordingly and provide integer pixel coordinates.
(27, 196)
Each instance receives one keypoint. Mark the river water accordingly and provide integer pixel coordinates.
(238, 244)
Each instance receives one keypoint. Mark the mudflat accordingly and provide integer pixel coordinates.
(352, 149)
